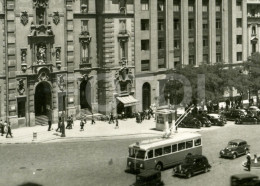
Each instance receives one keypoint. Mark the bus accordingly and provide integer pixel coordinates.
(160, 153)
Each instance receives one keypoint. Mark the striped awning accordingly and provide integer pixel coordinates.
(128, 101)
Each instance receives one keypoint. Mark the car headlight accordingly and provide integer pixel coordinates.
(141, 165)
(129, 163)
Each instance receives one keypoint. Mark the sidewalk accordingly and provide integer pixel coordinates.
(100, 130)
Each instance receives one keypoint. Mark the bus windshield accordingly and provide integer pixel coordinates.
(136, 153)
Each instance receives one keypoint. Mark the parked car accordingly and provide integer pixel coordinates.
(193, 164)
(190, 122)
(205, 122)
(216, 119)
(248, 119)
(254, 109)
(234, 149)
(148, 178)
(245, 180)
(234, 114)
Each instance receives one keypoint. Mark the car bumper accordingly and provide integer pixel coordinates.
(228, 155)
(179, 173)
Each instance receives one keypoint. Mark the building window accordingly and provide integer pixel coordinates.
(191, 43)
(239, 22)
(191, 24)
(218, 23)
(191, 60)
(21, 107)
(205, 6)
(123, 50)
(205, 41)
(218, 57)
(176, 6)
(176, 24)
(84, 25)
(239, 5)
(253, 30)
(85, 52)
(253, 48)
(145, 45)
(239, 39)
(144, 24)
(40, 16)
(177, 44)
(160, 24)
(84, 6)
(160, 5)
(191, 6)
(144, 4)
(218, 5)
(205, 24)
(122, 26)
(206, 58)
(218, 40)
(145, 65)
(160, 44)
(239, 56)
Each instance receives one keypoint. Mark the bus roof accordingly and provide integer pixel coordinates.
(156, 142)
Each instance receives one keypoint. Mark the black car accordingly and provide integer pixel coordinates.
(247, 119)
(193, 164)
(190, 122)
(232, 115)
(205, 122)
(148, 178)
(245, 180)
(216, 119)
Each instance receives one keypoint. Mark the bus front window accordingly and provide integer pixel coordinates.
(135, 153)
(140, 154)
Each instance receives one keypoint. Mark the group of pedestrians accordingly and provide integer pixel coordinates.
(6, 128)
(84, 121)
(146, 114)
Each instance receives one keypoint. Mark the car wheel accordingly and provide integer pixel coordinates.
(234, 156)
(188, 175)
(159, 167)
(206, 169)
(204, 125)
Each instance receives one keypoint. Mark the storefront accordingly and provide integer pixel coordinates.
(125, 104)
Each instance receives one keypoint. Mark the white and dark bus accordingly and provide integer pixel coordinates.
(160, 153)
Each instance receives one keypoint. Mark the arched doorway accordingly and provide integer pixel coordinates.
(42, 99)
(85, 95)
(146, 96)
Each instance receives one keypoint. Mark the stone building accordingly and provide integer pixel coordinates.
(102, 56)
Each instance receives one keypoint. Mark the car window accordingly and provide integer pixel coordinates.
(174, 148)
(158, 152)
(197, 142)
(181, 146)
(189, 144)
(167, 150)
(150, 154)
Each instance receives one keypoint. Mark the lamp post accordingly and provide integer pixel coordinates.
(63, 125)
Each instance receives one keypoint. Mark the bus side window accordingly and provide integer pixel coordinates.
(158, 152)
(181, 146)
(197, 142)
(174, 148)
(167, 150)
(189, 144)
(150, 154)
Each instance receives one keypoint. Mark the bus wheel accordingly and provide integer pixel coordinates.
(188, 174)
(159, 167)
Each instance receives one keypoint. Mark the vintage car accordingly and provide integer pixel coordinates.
(193, 164)
(234, 149)
(204, 121)
(149, 177)
(254, 109)
(244, 180)
(232, 115)
(216, 119)
(190, 122)
(247, 119)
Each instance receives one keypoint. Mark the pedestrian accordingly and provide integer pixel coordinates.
(9, 132)
(2, 128)
(71, 121)
(117, 126)
(123, 115)
(93, 120)
(82, 123)
(255, 158)
(5, 127)
(49, 119)
(111, 119)
(59, 125)
(248, 157)
(68, 123)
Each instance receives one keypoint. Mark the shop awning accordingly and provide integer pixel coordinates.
(128, 101)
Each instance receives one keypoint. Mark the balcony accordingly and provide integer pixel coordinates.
(177, 33)
(84, 8)
(253, 19)
(123, 35)
(85, 62)
(218, 14)
(41, 33)
(177, 52)
(84, 37)
(176, 14)
(205, 15)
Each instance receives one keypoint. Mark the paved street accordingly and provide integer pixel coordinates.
(102, 162)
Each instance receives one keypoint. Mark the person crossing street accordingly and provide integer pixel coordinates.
(9, 132)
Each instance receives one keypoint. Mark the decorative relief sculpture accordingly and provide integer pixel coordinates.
(41, 54)
(61, 82)
(56, 18)
(24, 18)
(20, 87)
(40, 3)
